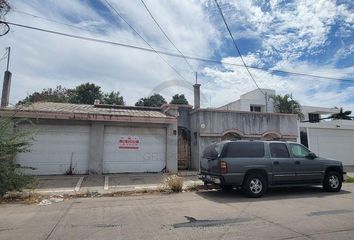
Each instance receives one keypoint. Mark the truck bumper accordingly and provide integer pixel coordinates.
(211, 179)
(227, 179)
(345, 176)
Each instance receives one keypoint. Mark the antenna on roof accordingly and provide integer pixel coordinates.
(196, 77)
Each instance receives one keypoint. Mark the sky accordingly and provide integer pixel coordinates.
(312, 37)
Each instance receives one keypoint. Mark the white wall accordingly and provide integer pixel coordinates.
(255, 97)
(333, 139)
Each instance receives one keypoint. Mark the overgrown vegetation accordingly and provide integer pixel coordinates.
(349, 180)
(11, 143)
(173, 183)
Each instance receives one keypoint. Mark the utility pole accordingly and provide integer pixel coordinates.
(7, 82)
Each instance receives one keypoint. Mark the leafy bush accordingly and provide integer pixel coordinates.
(12, 142)
(173, 183)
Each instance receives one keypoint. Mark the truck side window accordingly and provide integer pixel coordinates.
(279, 150)
(244, 150)
(299, 151)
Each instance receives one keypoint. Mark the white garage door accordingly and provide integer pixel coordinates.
(333, 143)
(57, 149)
(128, 149)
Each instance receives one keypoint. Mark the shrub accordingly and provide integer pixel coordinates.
(173, 183)
(12, 142)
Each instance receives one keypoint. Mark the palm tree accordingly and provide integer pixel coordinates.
(342, 115)
(286, 104)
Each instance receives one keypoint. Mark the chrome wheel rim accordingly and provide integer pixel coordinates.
(256, 186)
(333, 181)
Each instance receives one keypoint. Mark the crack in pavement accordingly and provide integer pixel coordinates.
(57, 223)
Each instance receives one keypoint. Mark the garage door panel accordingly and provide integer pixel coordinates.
(55, 148)
(333, 143)
(150, 157)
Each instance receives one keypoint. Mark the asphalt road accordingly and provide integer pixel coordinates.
(301, 213)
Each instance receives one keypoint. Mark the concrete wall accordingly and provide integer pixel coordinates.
(209, 126)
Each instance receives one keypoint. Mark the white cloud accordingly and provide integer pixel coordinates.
(40, 60)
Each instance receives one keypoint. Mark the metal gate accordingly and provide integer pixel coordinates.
(183, 149)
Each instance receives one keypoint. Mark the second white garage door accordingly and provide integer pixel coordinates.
(332, 143)
(134, 149)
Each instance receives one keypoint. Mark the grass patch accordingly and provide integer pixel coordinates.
(350, 180)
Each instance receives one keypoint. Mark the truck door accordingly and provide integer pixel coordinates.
(307, 170)
(282, 163)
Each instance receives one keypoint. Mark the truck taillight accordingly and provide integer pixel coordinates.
(223, 167)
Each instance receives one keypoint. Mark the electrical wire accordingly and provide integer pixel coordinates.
(164, 33)
(172, 67)
(51, 20)
(172, 54)
(238, 50)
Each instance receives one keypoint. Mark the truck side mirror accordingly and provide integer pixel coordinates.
(311, 155)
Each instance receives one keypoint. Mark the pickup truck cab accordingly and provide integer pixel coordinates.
(256, 165)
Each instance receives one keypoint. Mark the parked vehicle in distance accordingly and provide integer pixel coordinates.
(256, 165)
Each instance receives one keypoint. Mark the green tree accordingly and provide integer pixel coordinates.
(59, 94)
(11, 143)
(85, 93)
(286, 104)
(113, 98)
(179, 99)
(155, 100)
(345, 115)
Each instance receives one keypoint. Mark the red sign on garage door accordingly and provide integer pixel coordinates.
(129, 142)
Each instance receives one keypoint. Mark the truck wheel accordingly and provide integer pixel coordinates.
(254, 185)
(332, 182)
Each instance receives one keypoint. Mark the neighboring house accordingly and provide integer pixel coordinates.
(254, 101)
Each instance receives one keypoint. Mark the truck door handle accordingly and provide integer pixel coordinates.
(276, 163)
(297, 162)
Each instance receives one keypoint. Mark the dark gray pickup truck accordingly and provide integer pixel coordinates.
(256, 165)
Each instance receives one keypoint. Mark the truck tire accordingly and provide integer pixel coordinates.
(255, 185)
(332, 182)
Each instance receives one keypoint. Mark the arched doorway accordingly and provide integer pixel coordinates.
(271, 136)
(231, 136)
(184, 146)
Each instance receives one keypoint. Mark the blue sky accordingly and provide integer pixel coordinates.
(314, 37)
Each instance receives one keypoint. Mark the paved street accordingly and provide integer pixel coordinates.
(301, 213)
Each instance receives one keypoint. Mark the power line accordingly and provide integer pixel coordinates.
(115, 10)
(164, 33)
(238, 50)
(172, 54)
(51, 20)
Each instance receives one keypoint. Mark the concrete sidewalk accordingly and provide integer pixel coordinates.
(112, 183)
(103, 184)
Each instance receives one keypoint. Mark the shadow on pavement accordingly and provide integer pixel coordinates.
(230, 196)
